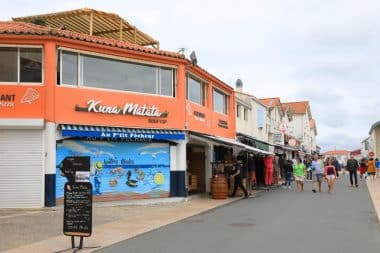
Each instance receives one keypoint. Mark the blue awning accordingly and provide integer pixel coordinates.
(120, 133)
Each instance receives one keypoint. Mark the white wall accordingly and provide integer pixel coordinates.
(250, 125)
(275, 115)
(299, 127)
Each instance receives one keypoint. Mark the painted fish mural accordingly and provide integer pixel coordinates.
(119, 167)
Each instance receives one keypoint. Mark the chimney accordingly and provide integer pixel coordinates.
(239, 85)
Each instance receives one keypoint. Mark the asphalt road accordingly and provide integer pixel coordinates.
(277, 221)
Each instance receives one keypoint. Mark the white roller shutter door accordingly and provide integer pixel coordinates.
(21, 168)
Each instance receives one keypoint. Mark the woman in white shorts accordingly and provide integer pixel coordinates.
(330, 174)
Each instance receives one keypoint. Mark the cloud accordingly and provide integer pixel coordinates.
(297, 50)
(338, 141)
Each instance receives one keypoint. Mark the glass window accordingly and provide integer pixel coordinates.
(245, 114)
(8, 64)
(195, 92)
(220, 102)
(166, 81)
(260, 117)
(238, 111)
(31, 65)
(141, 78)
(69, 68)
(101, 72)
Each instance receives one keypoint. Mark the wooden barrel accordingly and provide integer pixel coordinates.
(219, 188)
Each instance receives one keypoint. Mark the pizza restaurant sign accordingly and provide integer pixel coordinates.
(97, 106)
(9, 100)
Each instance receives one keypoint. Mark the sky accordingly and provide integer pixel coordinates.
(323, 51)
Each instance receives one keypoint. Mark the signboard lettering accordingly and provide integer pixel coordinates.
(77, 219)
(133, 109)
(223, 124)
(7, 100)
(278, 138)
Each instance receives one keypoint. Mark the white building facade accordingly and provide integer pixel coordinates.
(302, 126)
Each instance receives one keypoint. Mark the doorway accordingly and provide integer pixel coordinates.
(196, 175)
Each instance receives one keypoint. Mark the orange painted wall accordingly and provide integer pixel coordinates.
(28, 101)
(66, 99)
(210, 124)
(58, 103)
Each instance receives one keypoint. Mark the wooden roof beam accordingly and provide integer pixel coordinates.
(109, 31)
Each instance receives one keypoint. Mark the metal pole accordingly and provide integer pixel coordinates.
(81, 242)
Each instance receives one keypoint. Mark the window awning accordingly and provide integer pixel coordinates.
(287, 148)
(257, 150)
(120, 133)
(229, 142)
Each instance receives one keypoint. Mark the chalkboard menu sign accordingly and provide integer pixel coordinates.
(72, 164)
(77, 219)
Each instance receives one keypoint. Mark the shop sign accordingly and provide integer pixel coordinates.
(30, 96)
(199, 116)
(278, 139)
(223, 124)
(7, 100)
(133, 109)
(123, 136)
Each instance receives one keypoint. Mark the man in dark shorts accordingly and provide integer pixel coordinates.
(238, 179)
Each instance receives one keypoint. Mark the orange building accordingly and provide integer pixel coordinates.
(141, 114)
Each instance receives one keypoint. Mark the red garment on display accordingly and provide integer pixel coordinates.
(268, 163)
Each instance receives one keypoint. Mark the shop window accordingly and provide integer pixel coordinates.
(220, 102)
(195, 90)
(100, 72)
(20, 65)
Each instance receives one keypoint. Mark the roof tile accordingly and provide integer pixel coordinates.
(297, 107)
(21, 28)
(270, 102)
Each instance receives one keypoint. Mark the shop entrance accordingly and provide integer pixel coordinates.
(196, 176)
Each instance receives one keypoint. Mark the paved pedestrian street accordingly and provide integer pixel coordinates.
(276, 221)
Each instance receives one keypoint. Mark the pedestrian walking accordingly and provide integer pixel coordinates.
(268, 163)
(238, 182)
(377, 165)
(327, 160)
(330, 174)
(352, 167)
(299, 171)
(317, 167)
(309, 172)
(336, 164)
(371, 169)
(288, 171)
(363, 168)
